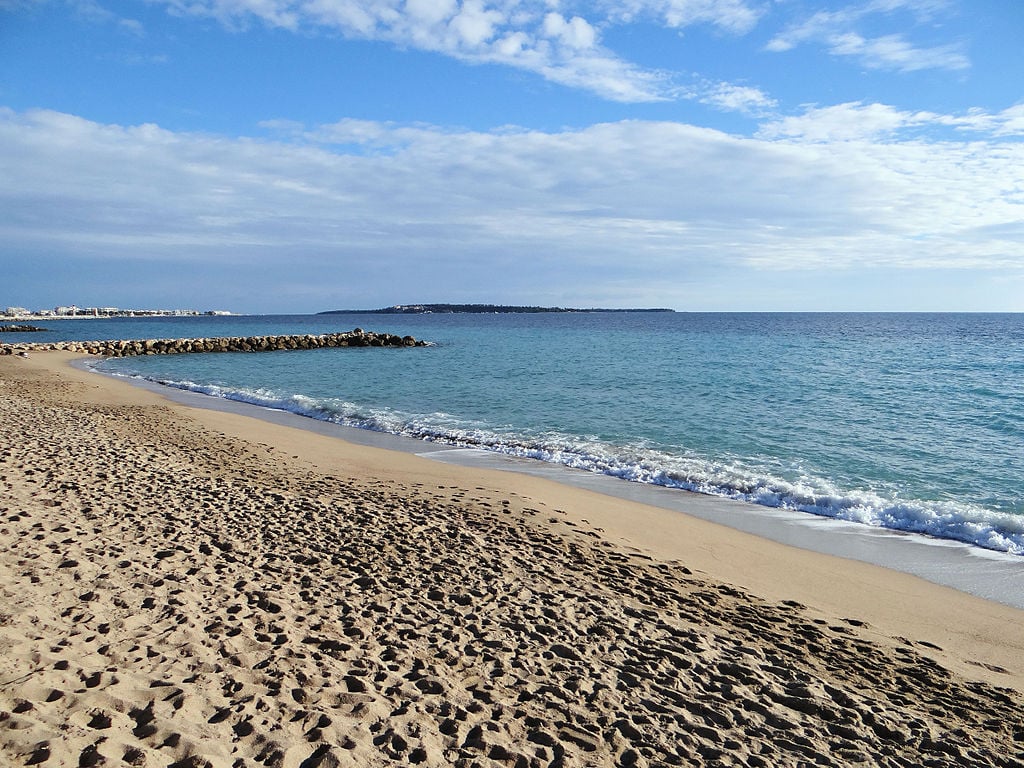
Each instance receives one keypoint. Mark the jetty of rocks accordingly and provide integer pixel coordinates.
(130, 347)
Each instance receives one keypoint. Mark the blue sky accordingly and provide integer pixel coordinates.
(301, 155)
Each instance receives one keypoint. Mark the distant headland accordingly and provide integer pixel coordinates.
(472, 309)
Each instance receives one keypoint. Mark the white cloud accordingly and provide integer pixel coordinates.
(1008, 122)
(837, 31)
(634, 200)
(525, 34)
(512, 46)
(876, 122)
(923, 10)
(539, 36)
(735, 98)
(574, 33)
(474, 25)
(90, 11)
(845, 122)
(895, 52)
(735, 16)
(430, 12)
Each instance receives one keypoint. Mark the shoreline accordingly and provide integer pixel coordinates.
(988, 574)
(168, 567)
(767, 573)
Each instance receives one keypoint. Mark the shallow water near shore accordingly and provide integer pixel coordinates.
(907, 422)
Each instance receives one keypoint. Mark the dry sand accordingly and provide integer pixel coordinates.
(183, 587)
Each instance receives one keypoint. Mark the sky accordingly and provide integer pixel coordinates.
(276, 156)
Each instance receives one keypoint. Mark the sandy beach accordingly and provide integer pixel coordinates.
(187, 587)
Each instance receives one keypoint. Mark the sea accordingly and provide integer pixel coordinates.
(909, 423)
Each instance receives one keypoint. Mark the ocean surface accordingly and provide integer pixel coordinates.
(913, 422)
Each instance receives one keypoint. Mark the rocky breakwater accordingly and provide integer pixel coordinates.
(16, 328)
(131, 347)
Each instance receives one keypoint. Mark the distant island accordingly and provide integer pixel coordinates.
(471, 309)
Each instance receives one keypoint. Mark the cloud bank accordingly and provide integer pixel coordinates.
(618, 202)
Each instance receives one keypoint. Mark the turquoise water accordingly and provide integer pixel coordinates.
(911, 422)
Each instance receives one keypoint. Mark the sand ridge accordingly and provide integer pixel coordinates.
(174, 596)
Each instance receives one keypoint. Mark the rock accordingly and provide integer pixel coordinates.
(20, 329)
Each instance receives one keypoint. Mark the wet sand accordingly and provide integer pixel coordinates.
(183, 587)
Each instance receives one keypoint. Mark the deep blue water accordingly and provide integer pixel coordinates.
(908, 421)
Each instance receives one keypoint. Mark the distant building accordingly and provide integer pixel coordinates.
(73, 310)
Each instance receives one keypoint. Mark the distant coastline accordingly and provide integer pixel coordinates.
(473, 309)
(73, 312)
